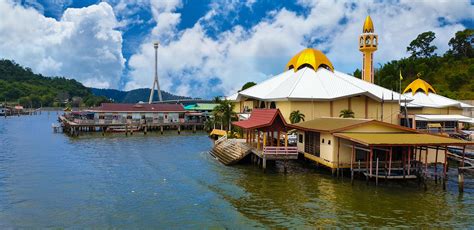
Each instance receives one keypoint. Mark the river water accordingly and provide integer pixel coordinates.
(49, 180)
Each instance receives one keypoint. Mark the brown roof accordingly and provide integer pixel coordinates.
(400, 139)
(116, 107)
(260, 118)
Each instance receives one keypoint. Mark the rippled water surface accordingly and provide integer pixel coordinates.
(170, 181)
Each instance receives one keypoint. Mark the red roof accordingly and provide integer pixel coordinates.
(260, 118)
(113, 107)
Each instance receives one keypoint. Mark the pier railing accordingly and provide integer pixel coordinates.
(282, 150)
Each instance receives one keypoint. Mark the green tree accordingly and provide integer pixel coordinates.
(421, 47)
(247, 85)
(224, 112)
(296, 117)
(461, 44)
(346, 113)
(357, 73)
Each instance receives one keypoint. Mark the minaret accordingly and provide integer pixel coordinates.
(368, 45)
(155, 82)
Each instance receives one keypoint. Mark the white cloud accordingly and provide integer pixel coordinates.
(83, 44)
(189, 59)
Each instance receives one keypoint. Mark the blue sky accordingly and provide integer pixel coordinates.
(208, 47)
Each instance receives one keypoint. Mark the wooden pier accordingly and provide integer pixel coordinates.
(76, 126)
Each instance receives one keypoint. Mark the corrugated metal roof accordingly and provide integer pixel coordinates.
(322, 84)
(394, 139)
(260, 118)
(328, 124)
(451, 117)
(113, 107)
(432, 100)
(201, 106)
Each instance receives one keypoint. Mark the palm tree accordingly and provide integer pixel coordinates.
(217, 100)
(296, 117)
(224, 112)
(346, 113)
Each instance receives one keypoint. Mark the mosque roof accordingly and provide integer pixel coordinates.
(424, 95)
(419, 85)
(320, 84)
(311, 58)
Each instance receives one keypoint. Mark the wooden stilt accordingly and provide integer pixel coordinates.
(371, 156)
(377, 172)
(445, 166)
(436, 166)
(461, 171)
(403, 163)
(409, 160)
(352, 164)
(367, 168)
(426, 161)
(338, 150)
(390, 160)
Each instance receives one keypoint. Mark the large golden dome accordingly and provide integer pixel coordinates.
(309, 57)
(417, 85)
(368, 25)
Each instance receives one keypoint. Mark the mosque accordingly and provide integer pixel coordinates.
(311, 85)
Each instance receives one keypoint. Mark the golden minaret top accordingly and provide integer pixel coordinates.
(368, 25)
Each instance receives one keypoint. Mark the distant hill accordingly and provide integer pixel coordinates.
(19, 84)
(134, 96)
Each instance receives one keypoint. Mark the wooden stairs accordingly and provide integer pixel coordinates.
(229, 151)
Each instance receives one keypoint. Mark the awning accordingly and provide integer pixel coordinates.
(218, 132)
(400, 139)
(452, 117)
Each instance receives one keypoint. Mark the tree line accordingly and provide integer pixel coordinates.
(19, 85)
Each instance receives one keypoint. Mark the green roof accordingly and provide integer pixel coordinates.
(201, 107)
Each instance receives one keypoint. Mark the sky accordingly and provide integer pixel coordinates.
(209, 48)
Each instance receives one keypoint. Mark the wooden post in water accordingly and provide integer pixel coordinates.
(352, 163)
(409, 160)
(367, 168)
(377, 172)
(338, 149)
(390, 160)
(461, 171)
(179, 129)
(371, 156)
(436, 166)
(145, 130)
(403, 162)
(161, 129)
(445, 166)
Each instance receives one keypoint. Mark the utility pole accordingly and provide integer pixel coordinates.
(155, 81)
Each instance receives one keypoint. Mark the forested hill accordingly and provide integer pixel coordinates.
(20, 84)
(134, 96)
(451, 74)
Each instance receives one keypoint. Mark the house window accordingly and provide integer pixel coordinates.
(300, 138)
(322, 141)
(329, 142)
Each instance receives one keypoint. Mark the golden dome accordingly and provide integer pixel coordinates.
(309, 58)
(417, 85)
(368, 25)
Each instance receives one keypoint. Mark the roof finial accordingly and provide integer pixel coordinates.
(368, 25)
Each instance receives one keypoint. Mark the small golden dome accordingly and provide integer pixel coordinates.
(417, 85)
(368, 25)
(309, 58)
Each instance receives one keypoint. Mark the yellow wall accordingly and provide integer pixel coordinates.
(435, 111)
(317, 109)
